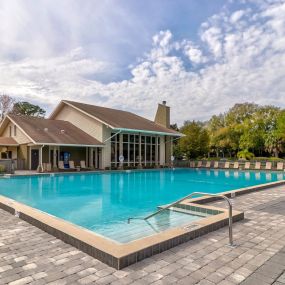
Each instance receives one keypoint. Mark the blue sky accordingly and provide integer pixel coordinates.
(201, 56)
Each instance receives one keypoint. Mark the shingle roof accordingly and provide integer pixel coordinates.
(7, 141)
(46, 131)
(119, 119)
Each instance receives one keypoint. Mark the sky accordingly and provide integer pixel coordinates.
(201, 56)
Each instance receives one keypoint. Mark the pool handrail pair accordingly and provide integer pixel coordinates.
(230, 207)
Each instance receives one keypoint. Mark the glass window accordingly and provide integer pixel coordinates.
(113, 137)
(153, 153)
(148, 153)
(132, 152)
(148, 139)
(137, 139)
(15, 130)
(126, 152)
(143, 139)
(113, 152)
(10, 131)
(132, 138)
(125, 138)
(153, 140)
(137, 153)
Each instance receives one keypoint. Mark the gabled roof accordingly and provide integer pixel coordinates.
(7, 141)
(52, 132)
(118, 119)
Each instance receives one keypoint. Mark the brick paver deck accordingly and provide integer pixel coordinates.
(31, 256)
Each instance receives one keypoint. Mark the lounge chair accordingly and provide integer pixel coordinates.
(47, 167)
(71, 165)
(227, 165)
(208, 164)
(61, 166)
(191, 165)
(280, 166)
(199, 165)
(216, 164)
(83, 165)
(257, 165)
(236, 165)
(268, 165)
(247, 165)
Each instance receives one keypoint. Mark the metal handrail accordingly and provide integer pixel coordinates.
(230, 207)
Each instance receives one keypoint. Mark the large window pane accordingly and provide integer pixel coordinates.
(126, 152)
(125, 138)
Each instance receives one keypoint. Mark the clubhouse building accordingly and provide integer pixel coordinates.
(102, 137)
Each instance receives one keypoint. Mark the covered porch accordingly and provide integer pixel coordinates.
(41, 155)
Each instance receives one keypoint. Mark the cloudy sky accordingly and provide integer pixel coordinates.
(201, 56)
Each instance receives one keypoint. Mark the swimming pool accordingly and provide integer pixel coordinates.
(102, 202)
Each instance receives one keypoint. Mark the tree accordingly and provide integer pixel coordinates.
(6, 105)
(196, 141)
(28, 109)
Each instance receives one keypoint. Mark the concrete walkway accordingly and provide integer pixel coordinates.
(31, 256)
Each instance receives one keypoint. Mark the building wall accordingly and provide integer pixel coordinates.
(100, 131)
(20, 137)
(23, 154)
(82, 121)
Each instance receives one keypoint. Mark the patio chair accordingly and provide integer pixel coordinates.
(192, 164)
(83, 165)
(227, 165)
(247, 165)
(236, 165)
(208, 164)
(268, 165)
(280, 166)
(199, 165)
(216, 164)
(71, 165)
(61, 166)
(257, 165)
(47, 167)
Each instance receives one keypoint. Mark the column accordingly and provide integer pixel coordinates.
(91, 151)
(140, 151)
(120, 148)
(40, 168)
(156, 152)
(96, 157)
(54, 157)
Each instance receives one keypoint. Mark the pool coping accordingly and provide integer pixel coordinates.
(114, 254)
(122, 255)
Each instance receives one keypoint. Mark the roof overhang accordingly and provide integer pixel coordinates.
(149, 132)
(64, 144)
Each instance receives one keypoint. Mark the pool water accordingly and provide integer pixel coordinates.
(102, 202)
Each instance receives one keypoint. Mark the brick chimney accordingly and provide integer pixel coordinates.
(162, 116)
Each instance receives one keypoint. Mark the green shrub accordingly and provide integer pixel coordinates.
(2, 168)
(261, 158)
(245, 154)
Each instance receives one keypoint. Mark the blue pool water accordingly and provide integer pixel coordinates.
(102, 202)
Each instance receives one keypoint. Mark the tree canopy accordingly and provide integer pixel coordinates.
(244, 128)
(28, 109)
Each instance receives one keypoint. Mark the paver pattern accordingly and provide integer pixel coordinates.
(31, 256)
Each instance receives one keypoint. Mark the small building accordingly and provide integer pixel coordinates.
(102, 137)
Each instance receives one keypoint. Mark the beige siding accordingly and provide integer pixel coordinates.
(82, 121)
(106, 151)
(20, 137)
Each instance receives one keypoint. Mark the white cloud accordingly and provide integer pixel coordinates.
(236, 16)
(240, 56)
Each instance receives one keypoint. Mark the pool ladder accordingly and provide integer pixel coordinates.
(230, 208)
